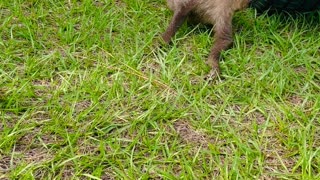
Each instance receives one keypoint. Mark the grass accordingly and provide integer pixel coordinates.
(86, 93)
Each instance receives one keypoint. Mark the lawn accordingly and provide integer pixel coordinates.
(86, 92)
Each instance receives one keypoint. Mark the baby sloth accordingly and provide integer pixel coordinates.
(218, 13)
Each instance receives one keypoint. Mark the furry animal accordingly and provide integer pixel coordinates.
(218, 13)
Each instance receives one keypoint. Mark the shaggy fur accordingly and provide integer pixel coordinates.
(219, 13)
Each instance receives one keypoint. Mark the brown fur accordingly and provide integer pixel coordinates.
(219, 13)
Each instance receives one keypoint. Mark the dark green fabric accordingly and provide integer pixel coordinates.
(286, 5)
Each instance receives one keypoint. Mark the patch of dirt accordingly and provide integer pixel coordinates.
(257, 116)
(301, 70)
(249, 116)
(42, 87)
(10, 119)
(26, 140)
(316, 143)
(276, 164)
(4, 164)
(68, 172)
(87, 148)
(37, 155)
(30, 149)
(119, 3)
(40, 173)
(3, 93)
(49, 139)
(5, 12)
(296, 100)
(276, 155)
(107, 176)
(189, 135)
(40, 116)
(82, 105)
(151, 67)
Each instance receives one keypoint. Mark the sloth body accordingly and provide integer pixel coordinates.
(218, 13)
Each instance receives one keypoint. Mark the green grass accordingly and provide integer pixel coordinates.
(86, 93)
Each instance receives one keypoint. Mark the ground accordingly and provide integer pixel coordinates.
(88, 92)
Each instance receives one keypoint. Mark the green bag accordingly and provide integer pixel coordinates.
(286, 5)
